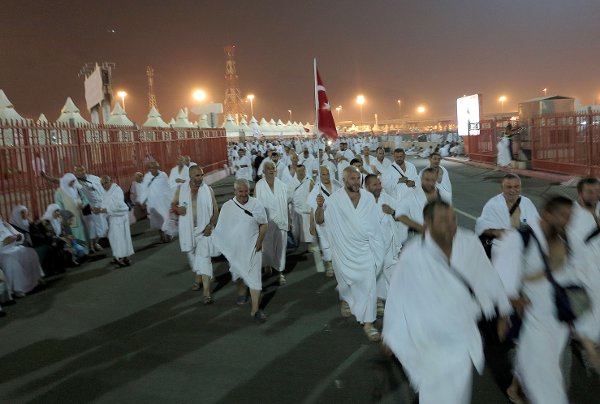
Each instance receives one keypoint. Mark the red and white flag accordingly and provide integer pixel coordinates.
(325, 122)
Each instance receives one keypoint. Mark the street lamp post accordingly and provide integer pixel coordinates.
(338, 109)
(360, 101)
(122, 94)
(199, 95)
(545, 90)
(290, 111)
(421, 109)
(250, 98)
(400, 108)
(502, 99)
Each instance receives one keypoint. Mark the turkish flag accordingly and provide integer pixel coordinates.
(326, 122)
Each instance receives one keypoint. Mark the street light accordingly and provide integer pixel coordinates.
(502, 99)
(250, 97)
(421, 109)
(199, 95)
(545, 90)
(338, 109)
(290, 111)
(360, 100)
(122, 94)
(400, 107)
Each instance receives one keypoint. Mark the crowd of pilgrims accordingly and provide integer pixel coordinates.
(384, 230)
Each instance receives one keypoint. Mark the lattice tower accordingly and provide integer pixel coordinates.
(233, 104)
(151, 96)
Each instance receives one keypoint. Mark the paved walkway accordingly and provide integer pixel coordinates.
(140, 335)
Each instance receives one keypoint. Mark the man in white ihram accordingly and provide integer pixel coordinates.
(198, 213)
(179, 174)
(119, 233)
(298, 191)
(400, 178)
(443, 178)
(239, 235)
(442, 283)
(325, 188)
(272, 193)
(357, 249)
(157, 194)
(505, 211)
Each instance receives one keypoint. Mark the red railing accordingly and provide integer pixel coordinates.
(26, 149)
(564, 143)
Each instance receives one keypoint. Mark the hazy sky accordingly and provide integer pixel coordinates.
(423, 52)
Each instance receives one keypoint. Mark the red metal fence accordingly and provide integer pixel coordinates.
(566, 143)
(27, 149)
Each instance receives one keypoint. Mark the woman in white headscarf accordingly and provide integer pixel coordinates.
(19, 220)
(50, 225)
(68, 198)
(20, 264)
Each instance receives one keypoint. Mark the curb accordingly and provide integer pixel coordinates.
(542, 175)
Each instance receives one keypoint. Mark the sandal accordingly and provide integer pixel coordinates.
(372, 334)
(514, 396)
(260, 316)
(380, 308)
(345, 309)
(196, 286)
(207, 300)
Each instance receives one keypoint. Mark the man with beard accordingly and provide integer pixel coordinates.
(157, 195)
(380, 163)
(401, 178)
(272, 193)
(443, 178)
(357, 249)
(198, 213)
(95, 223)
(387, 223)
(410, 208)
(442, 284)
(317, 200)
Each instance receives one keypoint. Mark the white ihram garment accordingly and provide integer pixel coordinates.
(119, 232)
(446, 184)
(298, 194)
(157, 195)
(276, 205)
(495, 214)
(430, 320)
(322, 228)
(198, 247)
(176, 174)
(357, 250)
(235, 236)
(543, 337)
(390, 177)
(388, 227)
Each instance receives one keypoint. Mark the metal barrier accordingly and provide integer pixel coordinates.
(565, 143)
(27, 150)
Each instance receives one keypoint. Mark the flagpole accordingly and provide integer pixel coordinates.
(317, 124)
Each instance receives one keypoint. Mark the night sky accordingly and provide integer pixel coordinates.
(423, 52)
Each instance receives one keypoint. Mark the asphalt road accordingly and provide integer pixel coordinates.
(139, 334)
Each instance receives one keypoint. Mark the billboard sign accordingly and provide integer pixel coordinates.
(93, 89)
(468, 111)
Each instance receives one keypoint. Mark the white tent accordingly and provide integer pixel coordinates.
(154, 120)
(172, 122)
(69, 114)
(230, 126)
(244, 126)
(254, 127)
(182, 121)
(42, 120)
(203, 123)
(7, 111)
(265, 128)
(118, 117)
(273, 125)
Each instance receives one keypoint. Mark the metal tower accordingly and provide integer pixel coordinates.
(233, 104)
(151, 96)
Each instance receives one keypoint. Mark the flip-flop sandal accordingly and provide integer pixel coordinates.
(207, 300)
(373, 334)
(196, 286)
